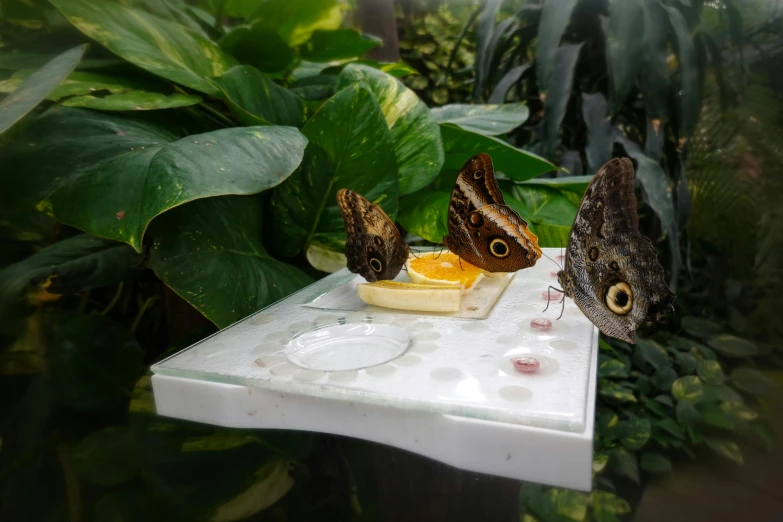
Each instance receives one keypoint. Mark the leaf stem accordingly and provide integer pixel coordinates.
(144, 307)
(114, 299)
(219, 115)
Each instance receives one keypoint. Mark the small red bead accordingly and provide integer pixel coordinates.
(525, 364)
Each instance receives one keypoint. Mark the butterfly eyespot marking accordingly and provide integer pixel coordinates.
(499, 248)
(478, 174)
(614, 266)
(619, 298)
(593, 254)
(376, 264)
(475, 220)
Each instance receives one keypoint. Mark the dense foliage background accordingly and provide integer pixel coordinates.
(171, 167)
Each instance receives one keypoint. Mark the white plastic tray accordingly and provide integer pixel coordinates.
(449, 393)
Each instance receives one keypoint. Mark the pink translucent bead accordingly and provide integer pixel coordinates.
(553, 274)
(541, 324)
(560, 258)
(525, 364)
(551, 295)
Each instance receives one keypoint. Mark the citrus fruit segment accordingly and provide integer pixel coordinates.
(443, 269)
(410, 296)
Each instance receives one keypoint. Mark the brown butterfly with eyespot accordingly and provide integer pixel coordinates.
(374, 248)
(611, 271)
(483, 230)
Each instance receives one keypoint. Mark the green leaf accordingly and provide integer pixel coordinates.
(634, 433)
(710, 372)
(751, 381)
(93, 363)
(572, 187)
(423, 213)
(655, 183)
(713, 415)
(489, 120)
(416, 135)
(256, 100)
(738, 411)
(296, 22)
(765, 433)
(656, 407)
(700, 328)
(210, 253)
(339, 44)
(624, 463)
(272, 482)
(600, 460)
(516, 164)
(624, 47)
(544, 204)
(152, 43)
(599, 130)
(732, 346)
(133, 101)
(690, 101)
(107, 457)
(36, 87)
(557, 504)
(72, 265)
(655, 75)
(720, 393)
(555, 16)
(671, 427)
(686, 363)
(612, 390)
(726, 448)
(557, 97)
(360, 157)
(688, 388)
(77, 83)
(664, 378)
(605, 502)
(131, 505)
(687, 414)
(655, 463)
(653, 353)
(260, 46)
(608, 367)
(111, 175)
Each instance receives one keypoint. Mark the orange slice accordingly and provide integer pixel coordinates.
(443, 269)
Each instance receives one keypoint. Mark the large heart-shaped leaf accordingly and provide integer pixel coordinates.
(108, 456)
(350, 146)
(133, 101)
(256, 100)
(110, 176)
(655, 78)
(37, 86)
(489, 120)
(599, 130)
(417, 141)
(516, 164)
(689, 97)
(554, 19)
(157, 45)
(210, 253)
(624, 47)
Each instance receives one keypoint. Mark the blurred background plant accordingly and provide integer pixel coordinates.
(94, 290)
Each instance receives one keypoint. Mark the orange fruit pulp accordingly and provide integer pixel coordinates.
(443, 268)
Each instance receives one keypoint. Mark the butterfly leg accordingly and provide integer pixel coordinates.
(548, 299)
(562, 310)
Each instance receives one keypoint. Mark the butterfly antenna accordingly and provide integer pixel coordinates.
(555, 262)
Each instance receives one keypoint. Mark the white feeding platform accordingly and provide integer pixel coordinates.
(441, 385)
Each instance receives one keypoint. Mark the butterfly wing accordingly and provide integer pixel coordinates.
(374, 248)
(494, 238)
(611, 271)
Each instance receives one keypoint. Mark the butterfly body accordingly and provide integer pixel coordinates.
(374, 248)
(611, 271)
(483, 230)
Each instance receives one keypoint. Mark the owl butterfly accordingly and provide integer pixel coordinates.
(374, 248)
(482, 229)
(611, 271)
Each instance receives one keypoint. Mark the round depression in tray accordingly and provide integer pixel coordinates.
(340, 347)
